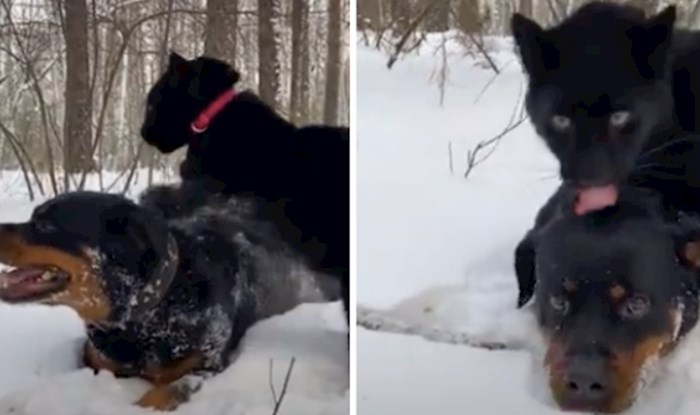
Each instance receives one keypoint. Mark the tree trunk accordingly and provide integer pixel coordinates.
(468, 16)
(439, 18)
(269, 64)
(298, 108)
(220, 30)
(330, 107)
(77, 131)
(526, 8)
(400, 15)
(368, 15)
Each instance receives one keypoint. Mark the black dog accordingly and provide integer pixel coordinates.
(239, 146)
(606, 85)
(167, 301)
(615, 290)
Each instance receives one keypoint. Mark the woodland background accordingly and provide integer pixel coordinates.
(74, 75)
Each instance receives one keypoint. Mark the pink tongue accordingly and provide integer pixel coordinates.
(22, 274)
(591, 199)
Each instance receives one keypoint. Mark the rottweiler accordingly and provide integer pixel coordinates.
(164, 300)
(238, 145)
(606, 85)
(615, 291)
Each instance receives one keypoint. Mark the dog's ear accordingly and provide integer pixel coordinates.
(686, 232)
(537, 53)
(691, 253)
(525, 269)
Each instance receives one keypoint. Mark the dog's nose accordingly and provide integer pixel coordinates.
(587, 385)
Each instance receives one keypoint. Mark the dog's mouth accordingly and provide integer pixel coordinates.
(594, 198)
(32, 283)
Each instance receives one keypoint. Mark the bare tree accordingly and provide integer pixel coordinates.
(269, 65)
(77, 154)
(299, 91)
(439, 19)
(220, 30)
(330, 112)
(526, 7)
(75, 75)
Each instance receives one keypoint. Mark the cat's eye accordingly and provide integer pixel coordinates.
(561, 123)
(620, 119)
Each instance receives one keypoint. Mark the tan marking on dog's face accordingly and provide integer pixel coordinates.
(84, 292)
(570, 286)
(625, 367)
(617, 292)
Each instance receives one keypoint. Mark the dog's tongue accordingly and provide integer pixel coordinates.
(590, 199)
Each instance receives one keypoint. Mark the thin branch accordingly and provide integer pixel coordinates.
(37, 89)
(409, 30)
(517, 118)
(272, 385)
(287, 377)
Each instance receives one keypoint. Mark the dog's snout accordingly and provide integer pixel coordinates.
(587, 383)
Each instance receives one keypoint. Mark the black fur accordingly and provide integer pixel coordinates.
(300, 177)
(229, 273)
(610, 285)
(608, 59)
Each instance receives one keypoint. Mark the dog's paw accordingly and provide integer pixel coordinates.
(163, 398)
(170, 396)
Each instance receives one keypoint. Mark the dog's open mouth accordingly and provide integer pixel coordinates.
(591, 199)
(31, 283)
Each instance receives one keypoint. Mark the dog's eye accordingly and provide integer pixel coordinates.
(635, 307)
(561, 123)
(620, 119)
(559, 304)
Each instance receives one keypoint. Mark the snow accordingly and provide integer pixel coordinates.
(435, 250)
(41, 351)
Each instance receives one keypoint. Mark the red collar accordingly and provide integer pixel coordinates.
(201, 123)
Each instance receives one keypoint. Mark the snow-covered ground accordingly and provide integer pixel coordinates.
(39, 357)
(435, 251)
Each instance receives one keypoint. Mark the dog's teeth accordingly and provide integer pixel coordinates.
(46, 275)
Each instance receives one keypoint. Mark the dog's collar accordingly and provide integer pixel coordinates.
(157, 286)
(201, 123)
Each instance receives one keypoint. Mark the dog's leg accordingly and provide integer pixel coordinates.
(93, 359)
(174, 384)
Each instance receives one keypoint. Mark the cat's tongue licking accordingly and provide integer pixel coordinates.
(590, 199)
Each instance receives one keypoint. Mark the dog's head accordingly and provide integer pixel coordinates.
(598, 89)
(615, 291)
(100, 254)
(177, 98)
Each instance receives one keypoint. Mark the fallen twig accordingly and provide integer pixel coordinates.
(287, 377)
(375, 320)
